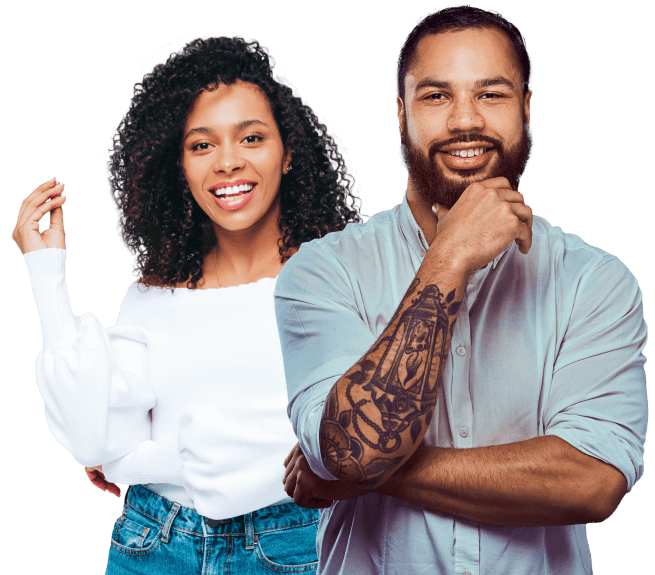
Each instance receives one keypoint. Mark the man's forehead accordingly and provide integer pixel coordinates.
(464, 57)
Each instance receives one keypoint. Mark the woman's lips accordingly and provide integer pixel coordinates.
(235, 201)
(472, 163)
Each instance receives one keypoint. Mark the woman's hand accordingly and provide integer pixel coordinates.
(97, 477)
(36, 205)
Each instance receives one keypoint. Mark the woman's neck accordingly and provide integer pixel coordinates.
(243, 256)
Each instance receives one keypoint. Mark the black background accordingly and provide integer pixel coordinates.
(74, 84)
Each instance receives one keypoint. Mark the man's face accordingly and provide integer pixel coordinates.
(464, 116)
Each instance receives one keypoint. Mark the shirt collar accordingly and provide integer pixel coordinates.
(415, 238)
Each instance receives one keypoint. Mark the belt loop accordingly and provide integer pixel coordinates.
(169, 521)
(250, 531)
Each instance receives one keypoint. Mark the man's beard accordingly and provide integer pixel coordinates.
(435, 188)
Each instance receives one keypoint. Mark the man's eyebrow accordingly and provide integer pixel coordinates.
(483, 83)
(237, 127)
(497, 81)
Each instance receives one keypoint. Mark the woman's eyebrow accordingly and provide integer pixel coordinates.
(237, 127)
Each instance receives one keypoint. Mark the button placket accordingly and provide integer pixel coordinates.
(462, 405)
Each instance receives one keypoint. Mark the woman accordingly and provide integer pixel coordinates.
(220, 174)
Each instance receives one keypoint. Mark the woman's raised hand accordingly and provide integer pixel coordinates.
(36, 205)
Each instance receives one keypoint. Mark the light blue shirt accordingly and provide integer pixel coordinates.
(548, 343)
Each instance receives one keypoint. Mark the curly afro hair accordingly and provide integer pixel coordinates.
(160, 221)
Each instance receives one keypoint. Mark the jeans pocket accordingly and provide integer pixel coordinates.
(288, 549)
(136, 534)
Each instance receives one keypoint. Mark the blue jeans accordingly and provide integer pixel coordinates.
(158, 536)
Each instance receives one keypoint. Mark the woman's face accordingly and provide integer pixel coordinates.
(233, 157)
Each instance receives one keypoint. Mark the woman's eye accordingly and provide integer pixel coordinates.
(252, 139)
(201, 146)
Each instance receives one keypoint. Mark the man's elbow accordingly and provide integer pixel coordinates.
(604, 495)
(343, 465)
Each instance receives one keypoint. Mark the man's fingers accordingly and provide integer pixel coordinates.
(523, 213)
(291, 453)
(290, 485)
(511, 196)
(287, 470)
(496, 183)
(524, 239)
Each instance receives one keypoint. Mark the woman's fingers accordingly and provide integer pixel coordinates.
(36, 205)
(97, 477)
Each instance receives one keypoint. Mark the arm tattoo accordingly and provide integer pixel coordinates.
(391, 391)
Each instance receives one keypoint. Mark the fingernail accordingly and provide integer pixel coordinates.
(63, 194)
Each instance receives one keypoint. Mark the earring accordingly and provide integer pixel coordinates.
(289, 168)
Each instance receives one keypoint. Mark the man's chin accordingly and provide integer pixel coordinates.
(447, 188)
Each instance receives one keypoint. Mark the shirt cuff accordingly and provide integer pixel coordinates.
(47, 274)
(150, 462)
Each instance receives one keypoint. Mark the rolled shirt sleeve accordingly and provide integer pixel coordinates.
(92, 379)
(597, 400)
(322, 336)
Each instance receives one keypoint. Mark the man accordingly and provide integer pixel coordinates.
(477, 422)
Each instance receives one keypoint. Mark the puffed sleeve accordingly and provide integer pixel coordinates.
(597, 401)
(322, 336)
(92, 379)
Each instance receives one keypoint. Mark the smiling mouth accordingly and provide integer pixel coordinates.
(233, 191)
(469, 153)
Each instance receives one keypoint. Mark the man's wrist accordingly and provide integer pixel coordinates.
(448, 262)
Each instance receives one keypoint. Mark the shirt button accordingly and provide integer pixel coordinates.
(461, 351)
(464, 432)
(472, 279)
(467, 573)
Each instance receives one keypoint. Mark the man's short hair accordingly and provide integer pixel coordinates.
(456, 19)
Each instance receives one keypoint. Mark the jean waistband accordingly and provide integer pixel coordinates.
(281, 514)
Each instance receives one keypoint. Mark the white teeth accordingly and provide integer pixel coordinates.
(471, 152)
(233, 190)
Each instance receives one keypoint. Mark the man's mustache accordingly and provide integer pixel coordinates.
(463, 139)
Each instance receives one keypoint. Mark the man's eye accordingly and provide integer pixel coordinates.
(437, 96)
(491, 96)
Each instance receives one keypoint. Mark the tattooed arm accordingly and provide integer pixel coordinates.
(377, 413)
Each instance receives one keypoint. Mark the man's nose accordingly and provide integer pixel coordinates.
(465, 116)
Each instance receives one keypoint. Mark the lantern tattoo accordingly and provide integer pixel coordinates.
(402, 385)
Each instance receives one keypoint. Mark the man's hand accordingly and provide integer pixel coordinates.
(488, 216)
(307, 489)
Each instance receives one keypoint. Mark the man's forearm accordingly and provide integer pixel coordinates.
(378, 412)
(540, 481)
